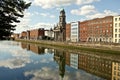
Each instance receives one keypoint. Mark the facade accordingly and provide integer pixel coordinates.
(23, 35)
(95, 30)
(116, 29)
(99, 29)
(36, 33)
(49, 34)
(15, 36)
(84, 31)
(68, 30)
(75, 32)
(59, 30)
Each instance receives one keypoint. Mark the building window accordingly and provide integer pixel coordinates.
(119, 35)
(119, 19)
(115, 30)
(115, 35)
(119, 40)
(115, 19)
(119, 24)
(118, 73)
(114, 78)
(115, 40)
(114, 68)
(115, 24)
(119, 30)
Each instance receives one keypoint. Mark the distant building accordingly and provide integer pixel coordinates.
(36, 33)
(97, 30)
(49, 34)
(15, 36)
(75, 32)
(23, 35)
(59, 30)
(116, 29)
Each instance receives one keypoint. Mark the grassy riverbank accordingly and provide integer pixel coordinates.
(72, 46)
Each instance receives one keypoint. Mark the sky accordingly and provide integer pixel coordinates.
(45, 13)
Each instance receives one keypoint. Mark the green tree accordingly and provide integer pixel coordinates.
(10, 11)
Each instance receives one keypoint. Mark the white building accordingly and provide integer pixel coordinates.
(116, 29)
(74, 31)
(49, 33)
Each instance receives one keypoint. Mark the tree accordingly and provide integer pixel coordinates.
(10, 11)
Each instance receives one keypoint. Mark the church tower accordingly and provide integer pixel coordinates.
(60, 29)
(62, 19)
(62, 24)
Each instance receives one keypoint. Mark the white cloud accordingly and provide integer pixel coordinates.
(103, 14)
(24, 25)
(90, 12)
(44, 14)
(87, 9)
(42, 25)
(36, 13)
(52, 16)
(24, 22)
(79, 2)
(28, 1)
(51, 3)
(58, 3)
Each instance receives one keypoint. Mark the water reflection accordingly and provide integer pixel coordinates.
(36, 49)
(59, 57)
(103, 65)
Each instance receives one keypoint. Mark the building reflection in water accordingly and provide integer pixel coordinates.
(115, 70)
(59, 57)
(105, 66)
(36, 49)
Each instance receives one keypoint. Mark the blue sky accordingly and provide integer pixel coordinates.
(45, 13)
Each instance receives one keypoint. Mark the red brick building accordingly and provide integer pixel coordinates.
(36, 33)
(84, 31)
(23, 35)
(68, 31)
(99, 29)
(95, 30)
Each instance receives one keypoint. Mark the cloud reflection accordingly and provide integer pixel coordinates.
(47, 73)
(13, 57)
(14, 63)
(43, 74)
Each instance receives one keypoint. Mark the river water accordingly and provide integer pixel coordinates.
(24, 61)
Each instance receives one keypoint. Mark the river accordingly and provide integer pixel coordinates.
(25, 61)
